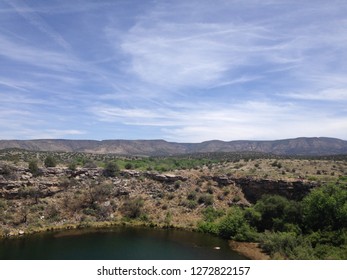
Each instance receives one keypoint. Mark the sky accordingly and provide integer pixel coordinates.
(182, 71)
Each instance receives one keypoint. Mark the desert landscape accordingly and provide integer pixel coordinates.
(290, 206)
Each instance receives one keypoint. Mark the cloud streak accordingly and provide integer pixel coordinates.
(162, 54)
(34, 19)
(249, 120)
(181, 70)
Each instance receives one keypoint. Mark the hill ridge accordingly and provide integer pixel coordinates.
(160, 147)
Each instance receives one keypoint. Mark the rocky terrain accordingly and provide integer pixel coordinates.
(251, 197)
(22, 184)
(58, 196)
(298, 146)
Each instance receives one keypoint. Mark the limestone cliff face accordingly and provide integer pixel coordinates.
(253, 189)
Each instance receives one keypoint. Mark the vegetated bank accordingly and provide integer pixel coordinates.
(219, 194)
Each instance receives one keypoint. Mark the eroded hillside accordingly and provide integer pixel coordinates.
(73, 194)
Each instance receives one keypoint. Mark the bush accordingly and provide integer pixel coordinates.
(128, 166)
(111, 169)
(191, 195)
(100, 192)
(50, 161)
(276, 211)
(211, 214)
(90, 164)
(191, 204)
(210, 189)
(7, 171)
(72, 165)
(208, 227)
(287, 245)
(326, 208)
(133, 208)
(33, 168)
(206, 199)
(235, 226)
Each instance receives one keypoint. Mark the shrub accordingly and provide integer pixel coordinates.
(111, 169)
(326, 208)
(128, 165)
(133, 208)
(208, 227)
(287, 245)
(235, 226)
(191, 195)
(191, 204)
(7, 171)
(211, 214)
(33, 168)
(100, 192)
(168, 219)
(72, 165)
(89, 164)
(177, 184)
(50, 161)
(206, 199)
(275, 211)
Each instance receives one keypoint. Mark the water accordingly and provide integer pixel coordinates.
(120, 243)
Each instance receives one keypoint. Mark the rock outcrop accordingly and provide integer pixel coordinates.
(54, 180)
(254, 189)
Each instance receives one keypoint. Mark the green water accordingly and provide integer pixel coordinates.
(117, 244)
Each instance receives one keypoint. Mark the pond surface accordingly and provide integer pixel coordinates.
(121, 243)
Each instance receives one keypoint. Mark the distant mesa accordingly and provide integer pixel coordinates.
(298, 146)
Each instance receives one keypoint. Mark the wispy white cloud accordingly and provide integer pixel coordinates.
(181, 70)
(171, 53)
(33, 18)
(248, 120)
(194, 54)
(35, 56)
(330, 94)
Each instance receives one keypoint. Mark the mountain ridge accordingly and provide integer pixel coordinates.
(159, 147)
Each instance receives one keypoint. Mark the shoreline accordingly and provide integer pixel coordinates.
(250, 250)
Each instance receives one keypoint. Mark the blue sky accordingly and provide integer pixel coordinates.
(184, 71)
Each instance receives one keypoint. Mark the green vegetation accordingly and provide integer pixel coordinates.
(33, 168)
(133, 208)
(315, 228)
(111, 169)
(50, 161)
(92, 188)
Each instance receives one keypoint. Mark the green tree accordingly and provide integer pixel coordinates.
(111, 169)
(72, 165)
(325, 208)
(128, 165)
(33, 168)
(50, 161)
(276, 211)
(235, 226)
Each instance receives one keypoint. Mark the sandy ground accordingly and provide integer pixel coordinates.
(249, 249)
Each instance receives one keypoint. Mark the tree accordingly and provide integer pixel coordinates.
(33, 168)
(326, 208)
(111, 169)
(72, 165)
(128, 165)
(235, 226)
(50, 161)
(276, 211)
